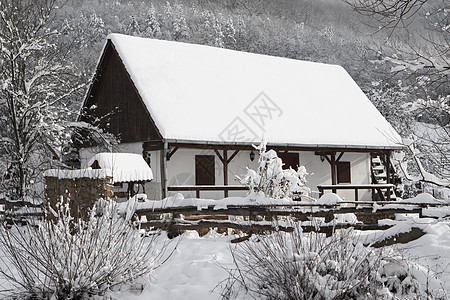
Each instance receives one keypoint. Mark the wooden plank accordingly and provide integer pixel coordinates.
(388, 175)
(333, 171)
(172, 152)
(219, 156)
(272, 212)
(340, 156)
(258, 228)
(276, 147)
(180, 188)
(233, 155)
(152, 146)
(225, 172)
(163, 166)
(355, 186)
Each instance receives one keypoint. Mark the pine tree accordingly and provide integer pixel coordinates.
(167, 27)
(180, 28)
(153, 28)
(133, 28)
(218, 33)
(229, 34)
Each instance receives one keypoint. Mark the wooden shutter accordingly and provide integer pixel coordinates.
(343, 172)
(204, 170)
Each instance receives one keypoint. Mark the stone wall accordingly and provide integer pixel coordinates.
(82, 192)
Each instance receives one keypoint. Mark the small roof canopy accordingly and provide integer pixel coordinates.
(124, 167)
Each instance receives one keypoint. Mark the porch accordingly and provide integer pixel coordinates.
(377, 167)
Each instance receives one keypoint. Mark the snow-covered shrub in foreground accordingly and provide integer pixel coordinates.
(270, 178)
(312, 266)
(63, 258)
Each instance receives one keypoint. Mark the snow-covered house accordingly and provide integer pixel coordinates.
(194, 112)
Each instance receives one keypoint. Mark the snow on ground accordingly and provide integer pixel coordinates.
(194, 270)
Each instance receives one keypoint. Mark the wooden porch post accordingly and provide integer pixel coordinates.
(225, 171)
(333, 170)
(163, 166)
(388, 173)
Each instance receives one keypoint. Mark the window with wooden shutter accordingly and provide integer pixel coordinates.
(204, 170)
(290, 160)
(343, 172)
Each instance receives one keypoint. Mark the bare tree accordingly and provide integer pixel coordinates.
(37, 80)
(423, 56)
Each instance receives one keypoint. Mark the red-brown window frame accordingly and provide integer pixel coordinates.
(344, 174)
(208, 165)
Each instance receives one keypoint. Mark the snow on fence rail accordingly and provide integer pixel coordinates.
(360, 215)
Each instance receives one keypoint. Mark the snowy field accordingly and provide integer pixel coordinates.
(195, 269)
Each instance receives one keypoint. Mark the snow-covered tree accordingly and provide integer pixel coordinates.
(271, 180)
(134, 28)
(229, 34)
(180, 28)
(37, 80)
(425, 61)
(218, 32)
(153, 28)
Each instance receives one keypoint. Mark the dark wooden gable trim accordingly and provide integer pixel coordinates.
(115, 95)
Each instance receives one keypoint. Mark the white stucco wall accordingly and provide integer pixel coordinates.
(320, 172)
(181, 170)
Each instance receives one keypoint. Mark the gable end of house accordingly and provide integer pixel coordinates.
(114, 104)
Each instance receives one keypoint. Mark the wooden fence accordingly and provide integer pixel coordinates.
(251, 219)
(265, 218)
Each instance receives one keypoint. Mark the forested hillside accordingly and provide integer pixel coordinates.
(402, 65)
(322, 31)
(382, 60)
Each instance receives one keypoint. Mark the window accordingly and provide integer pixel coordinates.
(204, 170)
(343, 172)
(289, 160)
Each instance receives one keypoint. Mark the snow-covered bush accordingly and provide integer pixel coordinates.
(270, 178)
(64, 258)
(304, 266)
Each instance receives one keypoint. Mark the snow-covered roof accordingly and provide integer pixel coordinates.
(124, 167)
(79, 173)
(203, 93)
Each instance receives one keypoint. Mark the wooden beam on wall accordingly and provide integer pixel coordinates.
(333, 170)
(219, 156)
(172, 152)
(152, 146)
(278, 148)
(225, 171)
(164, 191)
(232, 156)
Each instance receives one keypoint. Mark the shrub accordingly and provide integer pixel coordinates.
(63, 258)
(270, 178)
(312, 266)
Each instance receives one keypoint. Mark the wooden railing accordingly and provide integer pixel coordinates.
(357, 187)
(198, 188)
